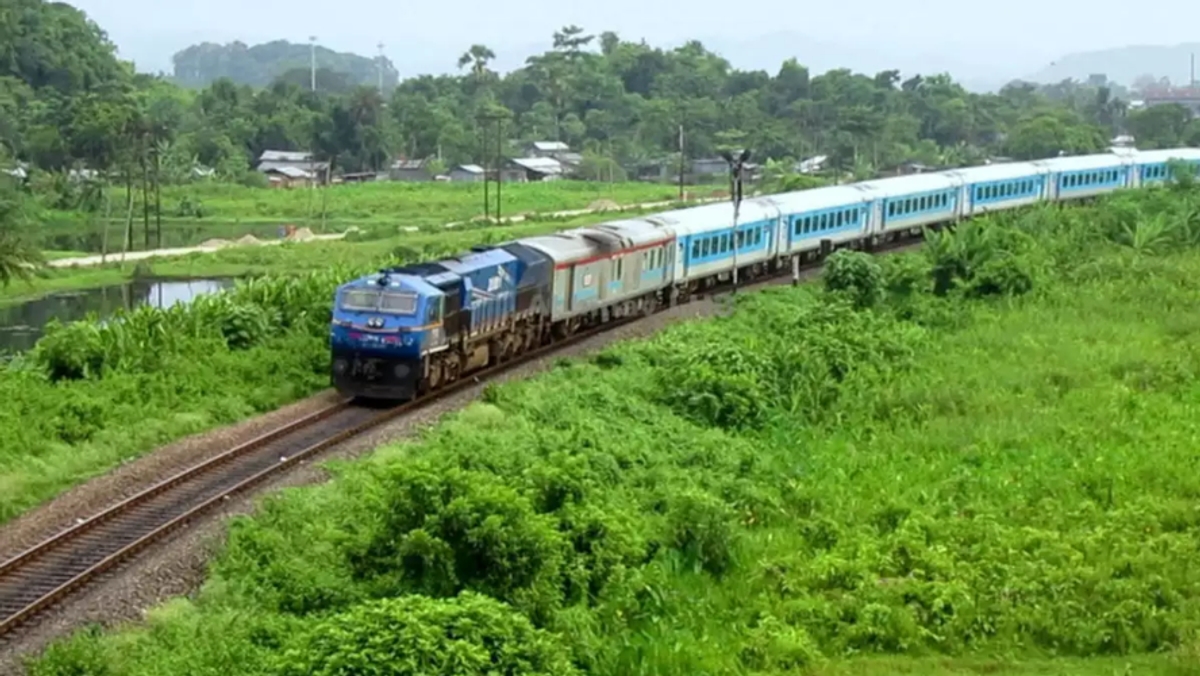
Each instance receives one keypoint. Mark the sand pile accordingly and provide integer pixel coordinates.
(249, 240)
(604, 205)
(215, 243)
(301, 235)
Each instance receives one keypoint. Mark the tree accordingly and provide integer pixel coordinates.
(608, 98)
(477, 57)
(19, 257)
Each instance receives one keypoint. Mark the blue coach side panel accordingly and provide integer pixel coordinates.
(916, 200)
(837, 213)
(489, 287)
(1153, 166)
(1086, 175)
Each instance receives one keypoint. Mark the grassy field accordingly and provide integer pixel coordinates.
(979, 459)
(288, 258)
(195, 213)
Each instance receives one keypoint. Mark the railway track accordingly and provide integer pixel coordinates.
(49, 572)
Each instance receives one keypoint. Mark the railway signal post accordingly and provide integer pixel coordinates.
(736, 167)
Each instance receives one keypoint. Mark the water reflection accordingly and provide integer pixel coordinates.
(22, 325)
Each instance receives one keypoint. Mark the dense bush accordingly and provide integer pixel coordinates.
(419, 636)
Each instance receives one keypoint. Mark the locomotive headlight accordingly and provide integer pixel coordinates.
(401, 370)
(340, 366)
(375, 322)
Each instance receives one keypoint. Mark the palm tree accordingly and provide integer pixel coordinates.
(477, 57)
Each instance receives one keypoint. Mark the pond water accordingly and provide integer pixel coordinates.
(22, 325)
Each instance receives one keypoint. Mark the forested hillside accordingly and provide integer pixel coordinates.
(66, 101)
(260, 65)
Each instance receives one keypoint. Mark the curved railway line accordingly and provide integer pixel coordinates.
(47, 573)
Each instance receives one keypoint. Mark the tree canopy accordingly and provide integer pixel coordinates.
(66, 101)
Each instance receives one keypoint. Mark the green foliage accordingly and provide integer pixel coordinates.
(620, 108)
(856, 274)
(798, 484)
(979, 259)
(416, 635)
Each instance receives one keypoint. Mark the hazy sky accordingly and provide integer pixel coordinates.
(1018, 36)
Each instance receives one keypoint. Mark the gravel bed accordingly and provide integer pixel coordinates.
(176, 565)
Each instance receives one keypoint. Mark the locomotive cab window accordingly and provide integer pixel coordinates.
(357, 300)
(398, 303)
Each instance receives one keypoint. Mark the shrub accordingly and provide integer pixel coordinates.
(420, 636)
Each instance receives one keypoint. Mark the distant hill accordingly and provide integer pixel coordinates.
(1124, 64)
(260, 65)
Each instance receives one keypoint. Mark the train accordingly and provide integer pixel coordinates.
(406, 331)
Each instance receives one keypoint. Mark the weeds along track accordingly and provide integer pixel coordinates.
(49, 572)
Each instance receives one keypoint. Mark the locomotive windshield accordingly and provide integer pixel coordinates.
(360, 300)
(399, 303)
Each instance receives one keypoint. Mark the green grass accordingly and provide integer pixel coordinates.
(998, 480)
(282, 259)
(194, 213)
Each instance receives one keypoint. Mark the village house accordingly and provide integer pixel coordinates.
(466, 172)
(288, 168)
(555, 150)
(538, 168)
(410, 170)
(288, 177)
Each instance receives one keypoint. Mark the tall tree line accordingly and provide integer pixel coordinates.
(67, 102)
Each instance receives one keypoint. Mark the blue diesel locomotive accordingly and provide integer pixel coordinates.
(409, 330)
